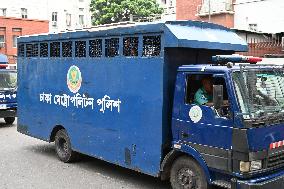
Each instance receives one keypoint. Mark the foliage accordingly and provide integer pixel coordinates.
(110, 11)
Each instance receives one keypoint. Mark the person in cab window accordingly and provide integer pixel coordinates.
(204, 95)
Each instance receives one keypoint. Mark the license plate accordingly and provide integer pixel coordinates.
(3, 106)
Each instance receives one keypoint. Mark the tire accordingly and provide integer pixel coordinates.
(187, 174)
(9, 120)
(63, 147)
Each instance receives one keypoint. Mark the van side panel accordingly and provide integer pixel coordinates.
(130, 137)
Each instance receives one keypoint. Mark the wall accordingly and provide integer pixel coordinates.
(16, 26)
(267, 14)
(221, 13)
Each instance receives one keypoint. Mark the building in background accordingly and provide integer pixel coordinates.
(259, 22)
(259, 15)
(11, 28)
(61, 14)
(169, 7)
(217, 11)
(252, 15)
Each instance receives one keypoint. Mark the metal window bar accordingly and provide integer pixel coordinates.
(130, 46)
(21, 50)
(95, 48)
(55, 49)
(43, 50)
(29, 50)
(35, 50)
(80, 48)
(112, 47)
(67, 49)
(151, 46)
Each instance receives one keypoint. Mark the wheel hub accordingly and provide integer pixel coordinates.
(187, 179)
(63, 146)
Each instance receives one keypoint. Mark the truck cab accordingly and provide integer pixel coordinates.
(238, 136)
(8, 91)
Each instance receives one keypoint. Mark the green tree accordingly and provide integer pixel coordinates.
(110, 11)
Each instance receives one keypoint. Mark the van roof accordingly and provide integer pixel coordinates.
(184, 34)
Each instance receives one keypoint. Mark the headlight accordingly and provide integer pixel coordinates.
(255, 165)
(244, 166)
(250, 166)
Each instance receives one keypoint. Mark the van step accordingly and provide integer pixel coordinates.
(222, 183)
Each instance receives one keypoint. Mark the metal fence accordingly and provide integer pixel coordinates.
(262, 47)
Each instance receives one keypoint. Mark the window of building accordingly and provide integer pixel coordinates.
(17, 29)
(54, 19)
(2, 38)
(253, 27)
(54, 16)
(68, 19)
(3, 12)
(2, 41)
(24, 12)
(81, 20)
(15, 40)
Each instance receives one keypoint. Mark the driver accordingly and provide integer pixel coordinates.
(204, 95)
(263, 93)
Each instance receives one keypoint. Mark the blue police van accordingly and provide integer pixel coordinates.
(126, 94)
(8, 91)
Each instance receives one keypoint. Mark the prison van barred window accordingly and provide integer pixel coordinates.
(151, 45)
(80, 48)
(43, 50)
(35, 50)
(21, 50)
(31, 50)
(55, 49)
(67, 49)
(95, 48)
(130, 46)
(112, 47)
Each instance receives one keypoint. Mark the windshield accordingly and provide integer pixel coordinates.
(260, 92)
(8, 80)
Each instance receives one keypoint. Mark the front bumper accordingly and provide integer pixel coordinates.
(8, 113)
(275, 181)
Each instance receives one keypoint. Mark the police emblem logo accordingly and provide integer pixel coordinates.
(74, 79)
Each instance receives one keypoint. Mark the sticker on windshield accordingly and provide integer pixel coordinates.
(195, 114)
(74, 79)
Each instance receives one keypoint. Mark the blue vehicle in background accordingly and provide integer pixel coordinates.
(126, 94)
(8, 91)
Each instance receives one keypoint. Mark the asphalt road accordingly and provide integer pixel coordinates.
(28, 163)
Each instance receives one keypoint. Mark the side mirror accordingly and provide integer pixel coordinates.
(218, 96)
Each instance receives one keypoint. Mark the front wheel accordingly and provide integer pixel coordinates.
(63, 146)
(9, 120)
(187, 174)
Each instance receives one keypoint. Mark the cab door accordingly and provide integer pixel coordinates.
(201, 124)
